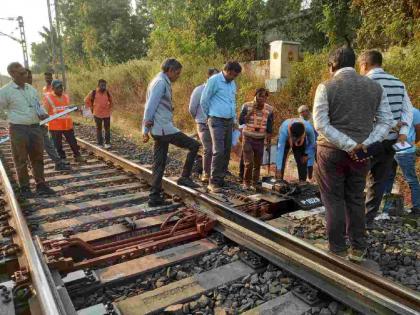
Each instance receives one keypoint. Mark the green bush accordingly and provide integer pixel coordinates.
(128, 83)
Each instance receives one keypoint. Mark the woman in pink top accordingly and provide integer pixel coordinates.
(100, 103)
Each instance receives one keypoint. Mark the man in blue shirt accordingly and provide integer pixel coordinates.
(158, 121)
(203, 130)
(305, 114)
(296, 134)
(407, 161)
(219, 105)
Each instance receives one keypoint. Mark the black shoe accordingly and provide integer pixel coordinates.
(62, 167)
(159, 203)
(186, 181)
(25, 192)
(44, 190)
(370, 225)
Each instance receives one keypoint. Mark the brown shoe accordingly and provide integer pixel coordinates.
(205, 178)
(357, 255)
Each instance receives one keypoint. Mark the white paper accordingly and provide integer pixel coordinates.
(68, 110)
(402, 146)
(87, 113)
(235, 137)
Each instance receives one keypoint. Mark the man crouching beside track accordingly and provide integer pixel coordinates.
(158, 121)
(351, 113)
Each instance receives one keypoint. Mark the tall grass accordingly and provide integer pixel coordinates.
(128, 83)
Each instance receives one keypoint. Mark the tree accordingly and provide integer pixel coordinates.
(41, 53)
(387, 22)
(340, 21)
(102, 31)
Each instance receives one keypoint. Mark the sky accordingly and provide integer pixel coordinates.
(35, 16)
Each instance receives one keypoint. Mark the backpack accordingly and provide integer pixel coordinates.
(93, 94)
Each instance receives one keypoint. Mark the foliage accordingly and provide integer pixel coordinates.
(339, 21)
(403, 62)
(41, 53)
(102, 31)
(387, 23)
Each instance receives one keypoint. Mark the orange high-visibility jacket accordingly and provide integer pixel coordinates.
(54, 105)
(257, 125)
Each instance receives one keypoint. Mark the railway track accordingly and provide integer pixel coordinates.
(97, 248)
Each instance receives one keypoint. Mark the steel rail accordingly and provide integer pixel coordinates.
(345, 281)
(46, 294)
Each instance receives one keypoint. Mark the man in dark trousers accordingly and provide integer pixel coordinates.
(370, 63)
(20, 100)
(158, 122)
(219, 105)
(60, 165)
(257, 116)
(100, 103)
(351, 112)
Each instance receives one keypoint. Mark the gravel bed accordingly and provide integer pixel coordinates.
(254, 290)
(394, 244)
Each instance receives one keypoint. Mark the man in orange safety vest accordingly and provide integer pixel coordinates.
(257, 118)
(56, 102)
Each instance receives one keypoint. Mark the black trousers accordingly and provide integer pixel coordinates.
(160, 154)
(298, 153)
(57, 136)
(107, 126)
(380, 168)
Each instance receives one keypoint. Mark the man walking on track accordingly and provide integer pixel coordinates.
(21, 102)
(100, 103)
(158, 122)
(351, 112)
(56, 102)
(219, 105)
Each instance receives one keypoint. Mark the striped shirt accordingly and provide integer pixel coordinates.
(401, 107)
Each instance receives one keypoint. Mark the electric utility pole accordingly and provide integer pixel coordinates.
(60, 44)
(52, 39)
(22, 40)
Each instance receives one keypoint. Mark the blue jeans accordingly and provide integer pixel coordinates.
(407, 162)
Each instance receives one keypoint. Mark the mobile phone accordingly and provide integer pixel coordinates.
(398, 147)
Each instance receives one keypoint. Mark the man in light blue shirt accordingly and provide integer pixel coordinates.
(219, 105)
(20, 101)
(203, 130)
(407, 161)
(158, 122)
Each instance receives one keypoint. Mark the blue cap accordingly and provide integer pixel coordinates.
(56, 83)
